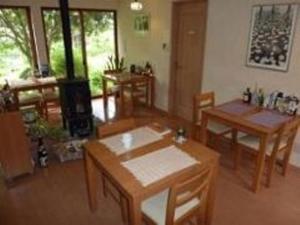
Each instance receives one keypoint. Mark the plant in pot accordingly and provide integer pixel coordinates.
(115, 65)
(47, 137)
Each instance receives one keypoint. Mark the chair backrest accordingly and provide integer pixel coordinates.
(287, 133)
(202, 101)
(116, 127)
(194, 188)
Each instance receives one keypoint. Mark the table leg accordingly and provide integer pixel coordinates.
(135, 211)
(104, 86)
(260, 164)
(211, 195)
(16, 98)
(152, 87)
(122, 101)
(203, 131)
(91, 181)
(148, 93)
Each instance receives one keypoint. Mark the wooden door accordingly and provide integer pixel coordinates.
(189, 25)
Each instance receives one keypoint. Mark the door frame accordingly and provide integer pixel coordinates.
(174, 47)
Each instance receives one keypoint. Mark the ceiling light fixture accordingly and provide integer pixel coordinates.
(136, 6)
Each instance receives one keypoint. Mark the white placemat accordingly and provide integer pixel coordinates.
(140, 137)
(154, 166)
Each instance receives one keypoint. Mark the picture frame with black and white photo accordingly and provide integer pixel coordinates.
(141, 23)
(271, 36)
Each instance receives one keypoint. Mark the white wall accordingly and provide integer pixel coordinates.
(225, 71)
(35, 8)
(226, 48)
(138, 49)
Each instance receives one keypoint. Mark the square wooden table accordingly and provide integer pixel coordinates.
(99, 158)
(31, 85)
(250, 119)
(123, 79)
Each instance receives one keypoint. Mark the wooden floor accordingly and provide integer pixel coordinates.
(57, 195)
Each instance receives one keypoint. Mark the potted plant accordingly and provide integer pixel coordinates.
(115, 65)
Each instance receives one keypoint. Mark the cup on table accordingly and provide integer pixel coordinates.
(127, 140)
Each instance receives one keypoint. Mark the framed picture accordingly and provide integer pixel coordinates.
(141, 23)
(271, 36)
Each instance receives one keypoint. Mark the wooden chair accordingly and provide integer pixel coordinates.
(114, 90)
(202, 102)
(31, 99)
(50, 98)
(180, 204)
(106, 130)
(282, 142)
(139, 92)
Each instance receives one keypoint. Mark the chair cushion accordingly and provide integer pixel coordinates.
(239, 135)
(217, 128)
(30, 97)
(253, 143)
(214, 127)
(51, 95)
(156, 207)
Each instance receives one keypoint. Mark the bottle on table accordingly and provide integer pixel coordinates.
(254, 96)
(260, 97)
(247, 95)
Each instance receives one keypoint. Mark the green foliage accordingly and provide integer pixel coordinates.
(15, 40)
(96, 81)
(41, 128)
(58, 62)
(26, 73)
(115, 64)
(14, 27)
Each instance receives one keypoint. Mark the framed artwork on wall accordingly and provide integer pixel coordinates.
(141, 23)
(271, 36)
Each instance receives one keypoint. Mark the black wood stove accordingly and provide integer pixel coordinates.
(75, 94)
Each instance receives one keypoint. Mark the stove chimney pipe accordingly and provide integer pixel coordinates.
(66, 29)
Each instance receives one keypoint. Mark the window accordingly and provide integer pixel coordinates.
(93, 38)
(17, 54)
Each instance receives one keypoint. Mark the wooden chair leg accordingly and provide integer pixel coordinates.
(46, 111)
(238, 155)
(200, 217)
(124, 209)
(196, 133)
(286, 160)
(104, 187)
(272, 161)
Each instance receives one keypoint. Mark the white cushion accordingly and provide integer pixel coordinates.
(156, 207)
(217, 128)
(30, 97)
(239, 135)
(253, 143)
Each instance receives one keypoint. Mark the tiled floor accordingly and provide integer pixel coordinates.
(57, 195)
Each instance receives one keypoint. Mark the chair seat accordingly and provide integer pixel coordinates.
(216, 128)
(156, 207)
(29, 98)
(252, 142)
(114, 89)
(239, 135)
(50, 95)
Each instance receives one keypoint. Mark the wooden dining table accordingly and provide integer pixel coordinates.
(38, 84)
(250, 119)
(99, 158)
(122, 80)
